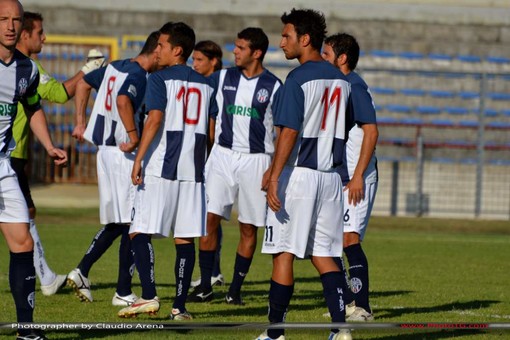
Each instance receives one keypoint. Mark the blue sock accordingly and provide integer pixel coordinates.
(332, 289)
(100, 244)
(279, 300)
(348, 295)
(184, 264)
(241, 268)
(126, 263)
(216, 268)
(22, 284)
(144, 261)
(206, 262)
(358, 271)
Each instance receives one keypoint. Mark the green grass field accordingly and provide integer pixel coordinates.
(422, 270)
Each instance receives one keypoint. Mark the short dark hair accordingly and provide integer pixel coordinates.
(212, 51)
(307, 21)
(180, 35)
(28, 21)
(343, 43)
(257, 38)
(151, 43)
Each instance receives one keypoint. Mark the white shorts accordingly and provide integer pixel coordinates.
(310, 219)
(230, 174)
(116, 191)
(356, 217)
(13, 207)
(162, 205)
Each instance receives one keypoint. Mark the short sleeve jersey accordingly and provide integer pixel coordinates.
(49, 89)
(20, 79)
(245, 120)
(363, 112)
(314, 102)
(178, 151)
(122, 77)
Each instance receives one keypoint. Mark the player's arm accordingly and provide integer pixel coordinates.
(80, 105)
(356, 185)
(95, 60)
(210, 141)
(267, 173)
(127, 116)
(150, 129)
(286, 141)
(39, 126)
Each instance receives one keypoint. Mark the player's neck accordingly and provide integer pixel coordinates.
(309, 55)
(253, 70)
(23, 49)
(6, 54)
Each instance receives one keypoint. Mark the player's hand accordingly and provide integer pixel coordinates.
(128, 147)
(272, 196)
(136, 173)
(95, 60)
(59, 156)
(265, 179)
(356, 190)
(78, 132)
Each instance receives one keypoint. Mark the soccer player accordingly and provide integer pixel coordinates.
(360, 179)
(113, 127)
(207, 57)
(207, 60)
(243, 146)
(20, 78)
(170, 195)
(30, 44)
(303, 185)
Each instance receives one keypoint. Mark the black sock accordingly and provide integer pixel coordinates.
(184, 264)
(279, 300)
(358, 272)
(332, 289)
(144, 260)
(216, 268)
(348, 294)
(126, 263)
(100, 244)
(206, 262)
(22, 284)
(241, 268)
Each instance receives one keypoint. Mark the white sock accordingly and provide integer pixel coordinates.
(45, 274)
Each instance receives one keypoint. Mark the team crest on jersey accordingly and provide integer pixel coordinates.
(262, 96)
(22, 86)
(45, 78)
(132, 90)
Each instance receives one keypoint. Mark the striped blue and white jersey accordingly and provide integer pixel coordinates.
(121, 77)
(179, 149)
(20, 79)
(245, 120)
(314, 101)
(362, 112)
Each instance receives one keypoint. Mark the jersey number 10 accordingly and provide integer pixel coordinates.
(184, 95)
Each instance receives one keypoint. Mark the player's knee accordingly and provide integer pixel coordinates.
(350, 239)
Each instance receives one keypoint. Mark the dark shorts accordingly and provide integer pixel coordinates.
(18, 165)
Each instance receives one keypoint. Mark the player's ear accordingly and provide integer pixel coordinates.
(257, 54)
(305, 40)
(342, 59)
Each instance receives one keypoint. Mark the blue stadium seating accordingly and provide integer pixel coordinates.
(398, 108)
(383, 90)
(456, 110)
(469, 58)
(441, 94)
(423, 109)
(498, 60)
(413, 92)
(439, 56)
(382, 53)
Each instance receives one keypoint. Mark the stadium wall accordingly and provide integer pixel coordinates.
(453, 27)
